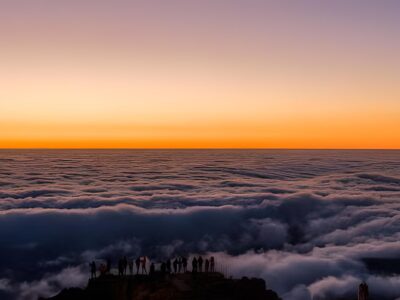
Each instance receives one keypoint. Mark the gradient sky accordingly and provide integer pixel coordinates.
(209, 73)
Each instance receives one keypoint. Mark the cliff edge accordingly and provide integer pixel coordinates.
(167, 287)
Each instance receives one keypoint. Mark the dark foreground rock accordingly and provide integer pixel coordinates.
(178, 287)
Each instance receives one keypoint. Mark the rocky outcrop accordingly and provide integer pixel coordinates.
(187, 286)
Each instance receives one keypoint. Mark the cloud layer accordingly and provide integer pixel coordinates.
(303, 220)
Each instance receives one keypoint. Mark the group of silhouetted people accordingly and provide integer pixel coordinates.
(177, 265)
(124, 264)
(180, 265)
(197, 264)
(103, 268)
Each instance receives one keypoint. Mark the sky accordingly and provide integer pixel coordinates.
(199, 74)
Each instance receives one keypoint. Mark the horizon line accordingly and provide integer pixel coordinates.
(190, 148)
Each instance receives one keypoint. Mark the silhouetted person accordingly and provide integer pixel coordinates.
(152, 269)
(179, 264)
(184, 264)
(108, 267)
(124, 264)
(121, 267)
(175, 265)
(143, 261)
(363, 292)
(137, 263)
(207, 265)
(194, 265)
(92, 270)
(163, 268)
(103, 269)
(200, 263)
(130, 265)
(168, 266)
(212, 264)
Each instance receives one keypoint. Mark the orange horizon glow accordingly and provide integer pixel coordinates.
(249, 136)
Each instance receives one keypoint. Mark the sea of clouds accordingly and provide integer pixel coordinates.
(305, 221)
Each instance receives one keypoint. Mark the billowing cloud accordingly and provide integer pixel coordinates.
(306, 222)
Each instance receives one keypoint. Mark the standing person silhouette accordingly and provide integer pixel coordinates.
(168, 266)
(130, 265)
(144, 259)
(108, 266)
(175, 265)
(92, 270)
(212, 264)
(179, 264)
(200, 263)
(137, 263)
(363, 292)
(121, 267)
(184, 264)
(194, 265)
(103, 269)
(124, 264)
(152, 269)
(163, 268)
(207, 265)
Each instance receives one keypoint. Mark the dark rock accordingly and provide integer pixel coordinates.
(201, 286)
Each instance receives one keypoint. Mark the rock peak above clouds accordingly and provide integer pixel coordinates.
(172, 287)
